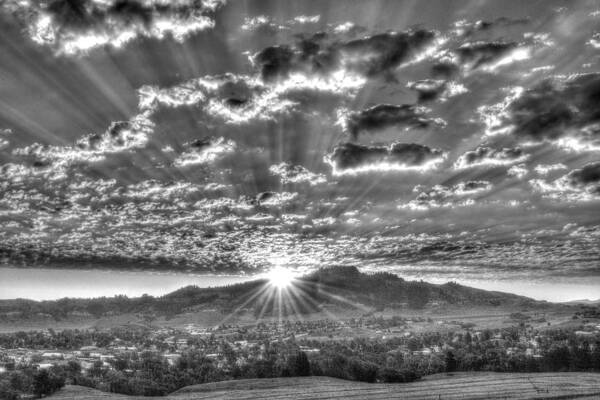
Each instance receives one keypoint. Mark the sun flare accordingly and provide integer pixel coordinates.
(280, 277)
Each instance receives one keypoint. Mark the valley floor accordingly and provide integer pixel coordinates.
(435, 387)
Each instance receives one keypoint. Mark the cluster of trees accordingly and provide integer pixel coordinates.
(28, 380)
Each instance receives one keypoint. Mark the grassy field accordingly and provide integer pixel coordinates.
(441, 386)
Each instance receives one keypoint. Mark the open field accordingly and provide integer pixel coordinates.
(441, 386)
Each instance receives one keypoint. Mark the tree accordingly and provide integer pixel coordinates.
(363, 371)
(45, 383)
(7, 392)
(595, 357)
(302, 365)
(418, 295)
(73, 368)
(450, 362)
(557, 359)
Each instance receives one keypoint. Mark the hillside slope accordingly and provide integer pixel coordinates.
(342, 287)
(444, 386)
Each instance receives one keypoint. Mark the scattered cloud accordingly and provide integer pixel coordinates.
(447, 196)
(274, 99)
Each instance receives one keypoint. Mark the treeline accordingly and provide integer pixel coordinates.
(72, 339)
(20, 309)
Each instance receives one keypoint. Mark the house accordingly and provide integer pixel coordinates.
(172, 358)
(50, 355)
(425, 351)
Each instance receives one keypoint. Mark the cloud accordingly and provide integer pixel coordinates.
(485, 56)
(518, 171)
(119, 137)
(595, 41)
(274, 199)
(446, 196)
(378, 54)
(468, 28)
(382, 116)
(294, 174)
(581, 184)
(350, 158)
(560, 110)
(545, 169)
(371, 56)
(241, 99)
(261, 23)
(3, 140)
(204, 151)
(477, 54)
(75, 27)
(486, 156)
(432, 89)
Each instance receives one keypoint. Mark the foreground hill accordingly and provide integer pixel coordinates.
(441, 386)
(345, 288)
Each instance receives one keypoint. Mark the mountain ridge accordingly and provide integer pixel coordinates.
(341, 287)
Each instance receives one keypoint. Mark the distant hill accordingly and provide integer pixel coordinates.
(586, 302)
(341, 287)
(465, 386)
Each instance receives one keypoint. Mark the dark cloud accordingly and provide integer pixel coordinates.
(476, 54)
(582, 184)
(432, 89)
(385, 115)
(74, 26)
(444, 69)
(276, 61)
(388, 50)
(587, 177)
(484, 155)
(351, 157)
(371, 56)
(428, 89)
(466, 28)
(558, 107)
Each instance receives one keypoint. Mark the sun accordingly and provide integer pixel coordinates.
(280, 277)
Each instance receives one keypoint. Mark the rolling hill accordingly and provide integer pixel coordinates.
(465, 386)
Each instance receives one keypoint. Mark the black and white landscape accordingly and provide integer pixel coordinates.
(304, 199)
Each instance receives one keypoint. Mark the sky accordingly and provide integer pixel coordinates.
(439, 139)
